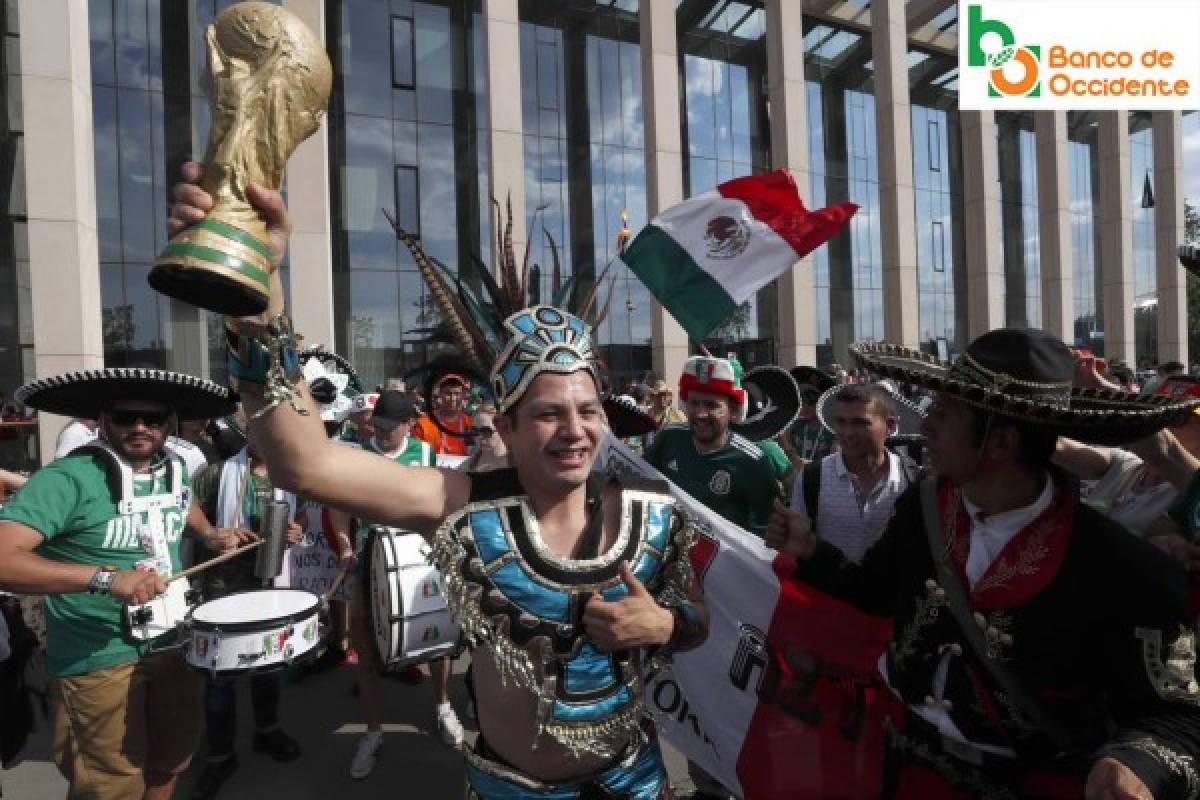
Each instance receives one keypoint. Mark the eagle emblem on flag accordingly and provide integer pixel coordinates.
(726, 237)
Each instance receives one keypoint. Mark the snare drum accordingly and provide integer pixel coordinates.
(162, 614)
(255, 631)
(409, 615)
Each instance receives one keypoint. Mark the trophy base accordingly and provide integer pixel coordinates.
(217, 267)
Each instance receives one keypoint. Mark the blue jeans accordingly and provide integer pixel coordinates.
(220, 710)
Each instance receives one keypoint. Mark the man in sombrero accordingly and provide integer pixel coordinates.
(1040, 649)
(97, 530)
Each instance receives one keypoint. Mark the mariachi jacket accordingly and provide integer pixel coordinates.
(1090, 620)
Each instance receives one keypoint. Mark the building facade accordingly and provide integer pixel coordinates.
(586, 117)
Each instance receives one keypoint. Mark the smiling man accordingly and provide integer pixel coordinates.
(721, 469)
(94, 530)
(564, 585)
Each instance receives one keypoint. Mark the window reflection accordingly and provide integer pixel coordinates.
(1083, 163)
(843, 157)
(1020, 236)
(723, 53)
(404, 137)
(581, 100)
(1145, 276)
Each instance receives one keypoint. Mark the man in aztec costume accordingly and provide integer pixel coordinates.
(567, 585)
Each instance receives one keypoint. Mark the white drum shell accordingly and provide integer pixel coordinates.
(254, 631)
(409, 615)
(162, 614)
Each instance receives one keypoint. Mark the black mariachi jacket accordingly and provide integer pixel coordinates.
(1089, 619)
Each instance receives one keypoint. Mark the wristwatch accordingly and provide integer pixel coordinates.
(102, 580)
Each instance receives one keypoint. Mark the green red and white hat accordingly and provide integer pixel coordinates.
(721, 376)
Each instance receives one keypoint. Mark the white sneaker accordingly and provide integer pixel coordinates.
(450, 728)
(366, 754)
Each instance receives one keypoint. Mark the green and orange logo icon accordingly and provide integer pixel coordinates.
(1013, 70)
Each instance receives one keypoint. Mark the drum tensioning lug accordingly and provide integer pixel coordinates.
(142, 616)
(192, 596)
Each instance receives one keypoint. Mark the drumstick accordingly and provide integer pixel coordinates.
(336, 583)
(214, 561)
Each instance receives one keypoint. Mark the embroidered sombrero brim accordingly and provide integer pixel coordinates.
(774, 403)
(1096, 416)
(625, 418)
(333, 361)
(86, 392)
(908, 416)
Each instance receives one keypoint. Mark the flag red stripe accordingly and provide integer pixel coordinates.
(773, 199)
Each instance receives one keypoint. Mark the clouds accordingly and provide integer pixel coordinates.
(1191, 158)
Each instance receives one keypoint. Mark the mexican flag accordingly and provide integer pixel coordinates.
(706, 256)
(784, 700)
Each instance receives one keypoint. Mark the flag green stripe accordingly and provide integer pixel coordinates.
(692, 296)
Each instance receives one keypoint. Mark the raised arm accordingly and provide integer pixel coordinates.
(290, 436)
(1084, 461)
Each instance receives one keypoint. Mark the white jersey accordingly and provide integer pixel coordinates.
(74, 435)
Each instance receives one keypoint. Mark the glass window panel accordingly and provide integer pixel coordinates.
(136, 178)
(375, 324)
(435, 75)
(366, 71)
(132, 47)
(439, 228)
(403, 69)
(408, 200)
(102, 41)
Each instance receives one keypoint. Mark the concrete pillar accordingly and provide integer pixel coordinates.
(1116, 235)
(1054, 223)
(786, 92)
(1168, 234)
(981, 196)
(897, 204)
(664, 160)
(188, 352)
(56, 95)
(310, 251)
(506, 156)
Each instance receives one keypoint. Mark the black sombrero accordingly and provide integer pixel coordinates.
(1189, 258)
(1026, 375)
(626, 418)
(774, 403)
(812, 376)
(87, 392)
(908, 415)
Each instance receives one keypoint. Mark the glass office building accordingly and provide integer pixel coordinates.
(421, 124)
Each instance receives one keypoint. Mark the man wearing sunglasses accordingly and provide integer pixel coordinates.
(95, 530)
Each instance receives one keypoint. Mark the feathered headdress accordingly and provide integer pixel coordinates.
(484, 318)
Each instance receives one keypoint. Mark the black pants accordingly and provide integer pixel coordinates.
(220, 709)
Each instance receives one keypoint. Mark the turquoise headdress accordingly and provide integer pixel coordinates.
(541, 339)
(499, 329)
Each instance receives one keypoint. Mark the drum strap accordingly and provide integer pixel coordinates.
(593, 534)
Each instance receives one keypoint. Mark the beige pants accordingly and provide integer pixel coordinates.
(114, 725)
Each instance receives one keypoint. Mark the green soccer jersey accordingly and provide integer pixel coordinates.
(412, 453)
(738, 481)
(70, 502)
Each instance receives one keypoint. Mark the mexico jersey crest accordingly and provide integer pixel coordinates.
(720, 482)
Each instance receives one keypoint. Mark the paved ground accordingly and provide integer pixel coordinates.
(321, 713)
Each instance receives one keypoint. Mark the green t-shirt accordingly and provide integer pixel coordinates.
(70, 502)
(414, 453)
(778, 458)
(738, 481)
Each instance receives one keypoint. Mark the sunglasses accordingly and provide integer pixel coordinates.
(483, 433)
(151, 419)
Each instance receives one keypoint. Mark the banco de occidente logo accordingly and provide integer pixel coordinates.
(1014, 70)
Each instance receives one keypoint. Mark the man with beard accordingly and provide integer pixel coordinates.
(563, 585)
(1039, 648)
(721, 469)
(94, 530)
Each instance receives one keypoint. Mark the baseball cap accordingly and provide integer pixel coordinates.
(391, 409)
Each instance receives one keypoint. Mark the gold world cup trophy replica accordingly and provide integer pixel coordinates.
(270, 83)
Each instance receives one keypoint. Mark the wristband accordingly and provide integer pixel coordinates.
(102, 580)
(267, 358)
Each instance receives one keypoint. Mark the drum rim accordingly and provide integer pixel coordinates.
(255, 625)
